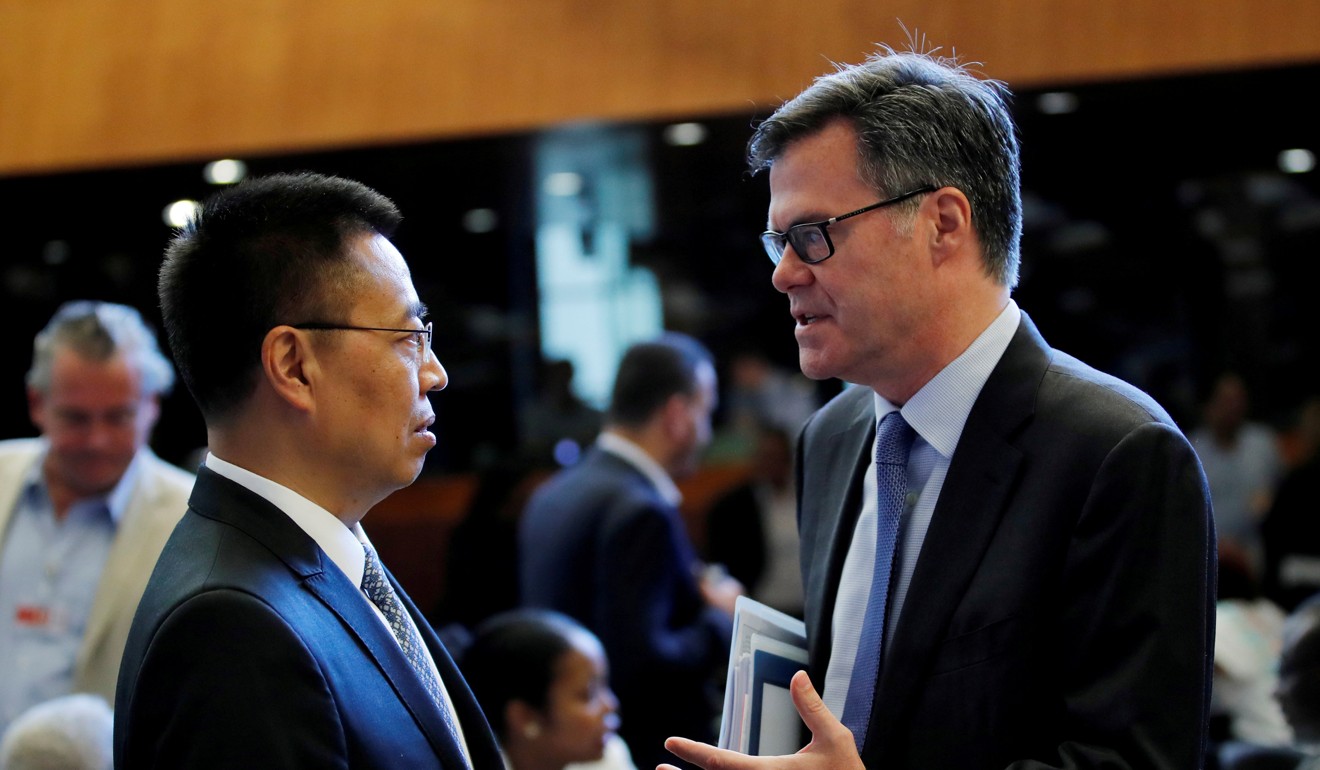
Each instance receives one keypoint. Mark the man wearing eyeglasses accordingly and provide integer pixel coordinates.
(1007, 555)
(270, 635)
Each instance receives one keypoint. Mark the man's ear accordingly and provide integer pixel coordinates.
(150, 411)
(37, 408)
(951, 215)
(675, 416)
(289, 366)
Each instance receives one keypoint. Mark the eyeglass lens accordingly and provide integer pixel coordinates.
(809, 241)
(424, 341)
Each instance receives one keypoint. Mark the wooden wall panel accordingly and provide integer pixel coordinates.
(88, 83)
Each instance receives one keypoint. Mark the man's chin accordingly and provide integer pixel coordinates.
(814, 366)
(93, 482)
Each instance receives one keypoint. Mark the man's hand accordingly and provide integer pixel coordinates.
(831, 747)
(720, 589)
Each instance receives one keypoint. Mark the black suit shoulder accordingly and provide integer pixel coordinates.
(1071, 387)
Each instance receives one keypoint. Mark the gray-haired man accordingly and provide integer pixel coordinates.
(85, 508)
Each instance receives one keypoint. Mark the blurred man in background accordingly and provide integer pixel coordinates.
(603, 542)
(86, 508)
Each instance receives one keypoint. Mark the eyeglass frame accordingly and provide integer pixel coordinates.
(776, 243)
(423, 335)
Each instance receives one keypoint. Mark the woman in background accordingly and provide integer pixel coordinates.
(543, 682)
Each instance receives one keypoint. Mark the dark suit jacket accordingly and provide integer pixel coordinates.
(1290, 531)
(1061, 610)
(252, 649)
(597, 542)
(735, 535)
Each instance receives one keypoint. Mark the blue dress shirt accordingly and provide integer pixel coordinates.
(49, 572)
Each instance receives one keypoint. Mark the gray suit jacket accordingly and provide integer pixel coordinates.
(156, 504)
(1061, 610)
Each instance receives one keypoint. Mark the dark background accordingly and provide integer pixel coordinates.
(1162, 244)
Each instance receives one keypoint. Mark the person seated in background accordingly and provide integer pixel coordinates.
(71, 732)
(752, 529)
(1248, 639)
(543, 682)
(1291, 530)
(1242, 463)
(1299, 696)
(557, 425)
(761, 393)
(86, 508)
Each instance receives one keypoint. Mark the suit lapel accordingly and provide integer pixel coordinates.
(224, 500)
(11, 481)
(972, 502)
(476, 730)
(348, 603)
(842, 458)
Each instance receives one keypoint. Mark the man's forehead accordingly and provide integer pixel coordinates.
(72, 370)
(383, 279)
(810, 170)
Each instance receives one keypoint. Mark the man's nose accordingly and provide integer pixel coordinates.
(790, 272)
(433, 375)
(98, 434)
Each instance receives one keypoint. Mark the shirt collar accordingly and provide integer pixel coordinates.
(939, 410)
(115, 501)
(637, 457)
(342, 544)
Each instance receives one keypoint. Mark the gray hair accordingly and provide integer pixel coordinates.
(72, 732)
(921, 120)
(98, 331)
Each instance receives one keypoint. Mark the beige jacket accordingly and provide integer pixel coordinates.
(156, 503)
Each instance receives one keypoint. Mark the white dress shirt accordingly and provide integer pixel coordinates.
(638, 458)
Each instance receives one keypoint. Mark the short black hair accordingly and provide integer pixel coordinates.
(651, 373)
(265, 252)
(512, 656)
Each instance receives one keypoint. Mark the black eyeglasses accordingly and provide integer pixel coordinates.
(421, 336)
(811, 240)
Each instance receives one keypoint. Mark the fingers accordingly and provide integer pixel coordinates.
(808, 701)
(830, 740)
(703, 755)
(822, 724)
(686, 750)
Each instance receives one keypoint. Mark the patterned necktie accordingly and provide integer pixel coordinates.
(377, 588)
(891, 456)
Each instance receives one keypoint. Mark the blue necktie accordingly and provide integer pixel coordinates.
(377, 588)
(891, 456)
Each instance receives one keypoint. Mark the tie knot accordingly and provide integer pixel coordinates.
(893, 440)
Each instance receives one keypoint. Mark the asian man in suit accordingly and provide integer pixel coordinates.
(1008, 556)
(270, 635)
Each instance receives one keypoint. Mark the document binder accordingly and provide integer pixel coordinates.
(768, 648)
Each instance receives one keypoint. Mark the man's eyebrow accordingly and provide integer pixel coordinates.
(418, 309)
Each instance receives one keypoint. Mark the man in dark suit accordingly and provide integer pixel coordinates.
(1044, 595)
(604, 543)
(270, 635)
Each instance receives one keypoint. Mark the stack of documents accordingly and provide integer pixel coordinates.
(768, 648)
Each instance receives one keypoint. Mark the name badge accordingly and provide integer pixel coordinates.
(32, 616)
